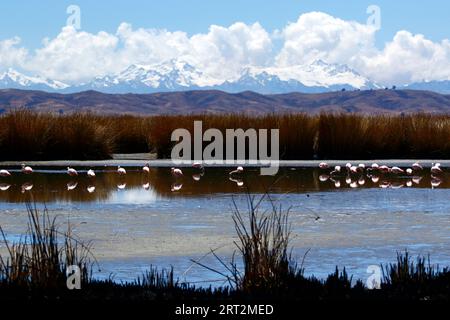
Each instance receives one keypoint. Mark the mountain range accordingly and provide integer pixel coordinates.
(216, 102)
(179, 75)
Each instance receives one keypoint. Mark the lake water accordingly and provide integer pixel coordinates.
(141, 219)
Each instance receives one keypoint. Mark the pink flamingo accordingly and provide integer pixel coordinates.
(176, 172)
(71, 172)
(26, 169)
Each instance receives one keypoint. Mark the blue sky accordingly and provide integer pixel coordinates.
(36, 19)
(412, 45)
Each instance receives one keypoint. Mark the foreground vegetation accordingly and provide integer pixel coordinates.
(35, 268)
(25, 135)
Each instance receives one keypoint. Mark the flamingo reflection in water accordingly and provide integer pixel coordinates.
(176, 186)
(27, 186)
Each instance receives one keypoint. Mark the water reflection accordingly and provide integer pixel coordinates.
(54, 184)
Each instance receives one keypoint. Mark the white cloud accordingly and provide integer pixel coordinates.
(74, 55)
(221, 53)
(409, 58)
(405, 59)
(11, 56)
(317, 35)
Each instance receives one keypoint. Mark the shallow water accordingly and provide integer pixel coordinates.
(142, 219)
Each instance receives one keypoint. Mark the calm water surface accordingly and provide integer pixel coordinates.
(142, 219)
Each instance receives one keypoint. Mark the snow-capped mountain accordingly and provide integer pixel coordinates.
(176, 75)
(16, 80)
(173, 75)
(316, 77)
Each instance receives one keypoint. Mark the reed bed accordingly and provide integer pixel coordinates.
(25, 135)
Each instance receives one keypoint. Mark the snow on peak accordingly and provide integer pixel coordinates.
(13, 78)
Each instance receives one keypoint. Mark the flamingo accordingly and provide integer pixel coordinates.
(91, 173)
(121, 171)
(373, 167)
(197, 165)
(337, 169)
(409, 183)
(146, 168)
(323, 165)
(396, 170)
(384, 169)
(416, 166)
(176, 172)
(409, 171)
(71, 172)
(436, 168)
(26, 169)
(5, 173)
(361, 167)
(237, 171)
(353, 169)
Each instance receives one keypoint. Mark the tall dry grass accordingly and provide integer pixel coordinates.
(327, 136)
(25, 135)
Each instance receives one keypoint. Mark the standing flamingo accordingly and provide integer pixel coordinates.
(337, 170)
(416, 166)
(146, 168)
(5, 173)
(396, 170)
(26, 169)
(361, 167)
(121, 171)
(197, 165)
(237, 171)
(323, 165)
(71, 172)
(384, 168)
(436, 168)
(91, 173)
(176, 172)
